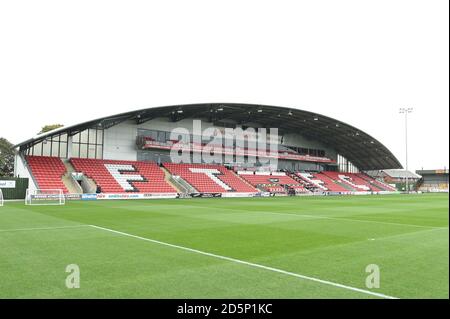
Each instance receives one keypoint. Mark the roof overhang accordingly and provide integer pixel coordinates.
(360, 148)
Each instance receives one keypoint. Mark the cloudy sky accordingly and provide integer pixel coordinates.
(358, 61)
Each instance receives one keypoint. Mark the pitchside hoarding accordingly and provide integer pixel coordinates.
(7, 184)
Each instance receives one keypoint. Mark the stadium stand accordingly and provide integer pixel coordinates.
(210, 178)
(356, 183)
(267, 178)
(117, 176)
(433, 181)
(47, 172)
(273, 182)
(114, 176)
(324, 182)
(378, 184)
(310, 179)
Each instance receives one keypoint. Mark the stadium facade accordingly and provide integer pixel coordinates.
(133, 153)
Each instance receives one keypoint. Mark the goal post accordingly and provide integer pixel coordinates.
(45, 197)
(1, 198)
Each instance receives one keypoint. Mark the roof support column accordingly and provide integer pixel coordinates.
(69, 146)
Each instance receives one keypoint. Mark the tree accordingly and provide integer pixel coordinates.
(50, 127)
(6, 158)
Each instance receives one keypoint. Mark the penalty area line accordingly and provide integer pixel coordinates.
(280, 271)
(41, 228)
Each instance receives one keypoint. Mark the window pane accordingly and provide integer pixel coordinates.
(99, 136)
(76, 138)
(37, 149)
(91, 153)
(100, 152)
(75, 150)
(84, 136)
(83, 151)
(55, 149)
(92, 139)
(46, 149)
(62, 149)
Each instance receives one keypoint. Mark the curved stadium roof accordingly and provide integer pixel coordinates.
(360, 148)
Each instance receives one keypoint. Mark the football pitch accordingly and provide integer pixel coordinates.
(284, 247)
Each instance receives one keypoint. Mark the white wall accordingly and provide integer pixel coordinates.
(20, 170)
(120, 142)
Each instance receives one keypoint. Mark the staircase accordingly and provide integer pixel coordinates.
(178, 183)
(168, 178)
(71, 184)
(88, 186)
(346, 186)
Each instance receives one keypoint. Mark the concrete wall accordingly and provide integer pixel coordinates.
(120, 142)
(20, 170)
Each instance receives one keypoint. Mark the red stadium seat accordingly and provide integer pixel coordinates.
(114, 176)
(273, 183)
(47, 172)
(210, 178)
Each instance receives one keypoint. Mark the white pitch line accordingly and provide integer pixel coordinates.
(40, 228)
(325, 282)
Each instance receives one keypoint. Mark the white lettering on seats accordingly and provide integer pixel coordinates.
(124, 179)
(349, 181)
(211, 173)
(316, 182)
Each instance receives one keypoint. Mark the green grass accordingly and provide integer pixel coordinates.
(329, 238)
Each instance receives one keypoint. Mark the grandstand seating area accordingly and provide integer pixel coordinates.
(355, 182)
(322, 181)
(268, 179)
(115, 176)
(378, 184)
(270, 182)
(335, 181)
(47, 172)
(124, 176)
(299, 189)
(210, 178)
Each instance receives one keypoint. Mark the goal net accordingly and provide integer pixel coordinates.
(1, 198)
(45, 197)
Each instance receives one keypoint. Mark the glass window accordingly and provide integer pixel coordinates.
(84, 136)
(55, 148)
(92, 136)
(46, 147)
(37, 149)
(99, 152)
(83, 150)
(99, 136)
(76, 138)
(91, 151)
(63, 149)
(161, 137)
(75, 150)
